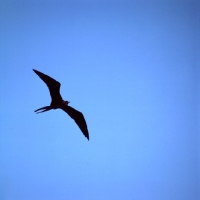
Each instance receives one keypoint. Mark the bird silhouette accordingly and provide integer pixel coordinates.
(58, 102)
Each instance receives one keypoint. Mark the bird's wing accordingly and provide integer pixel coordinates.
(53, 85)
(78, 118)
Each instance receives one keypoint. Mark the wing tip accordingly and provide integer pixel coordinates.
(86, 135)
(35, 71)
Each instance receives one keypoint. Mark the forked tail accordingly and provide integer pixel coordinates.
(44, 109)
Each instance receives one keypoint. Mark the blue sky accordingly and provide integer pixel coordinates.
(132, 68)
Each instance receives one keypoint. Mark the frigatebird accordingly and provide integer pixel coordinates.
(58, 102)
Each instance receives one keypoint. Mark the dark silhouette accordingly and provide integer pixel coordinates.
(58, 102)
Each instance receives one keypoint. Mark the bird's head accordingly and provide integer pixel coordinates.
(66, 103)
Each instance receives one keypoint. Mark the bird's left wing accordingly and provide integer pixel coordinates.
(52, 84)
(78, 118)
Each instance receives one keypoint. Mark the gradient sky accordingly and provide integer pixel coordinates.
(132, 68)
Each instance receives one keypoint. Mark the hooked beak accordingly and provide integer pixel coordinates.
(66, 102)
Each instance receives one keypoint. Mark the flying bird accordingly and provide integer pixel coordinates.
(58, 102)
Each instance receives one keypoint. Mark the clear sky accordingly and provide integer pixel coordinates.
(132, 68)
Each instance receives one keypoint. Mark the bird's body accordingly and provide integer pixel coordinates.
(58, 102)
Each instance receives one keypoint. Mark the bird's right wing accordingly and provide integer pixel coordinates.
(78, 118)
(52, 84)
